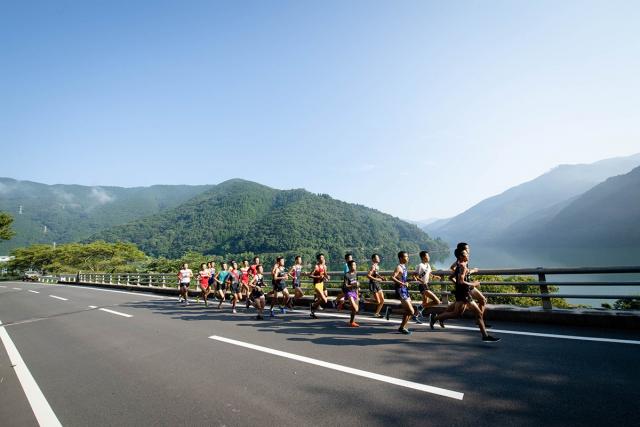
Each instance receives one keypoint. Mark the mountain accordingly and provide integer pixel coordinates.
(73, 212)
(605, 216)
(518, 209)
(239, 216)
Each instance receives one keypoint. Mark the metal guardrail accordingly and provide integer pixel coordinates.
(157, 280)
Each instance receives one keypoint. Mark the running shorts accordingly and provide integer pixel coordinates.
(375, 286)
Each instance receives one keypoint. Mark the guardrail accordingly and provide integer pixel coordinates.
(156, 280)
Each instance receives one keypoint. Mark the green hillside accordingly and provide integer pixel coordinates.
(74, 212)
(238, 216)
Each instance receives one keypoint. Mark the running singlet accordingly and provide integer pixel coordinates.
(401, 290)
(244, 276)
(185, 276)
(223, 279)
(212, 277)
(297, 275)
(350, 286)
(279, 279)
(319, 271)
(462, 290)
(204, 278)
(374, 285)
(424, 271)
(253, 269)
(257, 292)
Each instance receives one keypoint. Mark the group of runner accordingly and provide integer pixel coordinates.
(248, 283)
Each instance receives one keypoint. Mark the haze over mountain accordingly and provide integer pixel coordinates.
(240, 216)
(74, 212)
(514, 214)
(608, 215)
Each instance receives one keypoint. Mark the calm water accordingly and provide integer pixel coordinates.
(494, 257)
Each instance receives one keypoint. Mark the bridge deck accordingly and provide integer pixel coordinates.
(160, 367)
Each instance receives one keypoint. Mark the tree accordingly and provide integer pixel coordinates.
(6, 232)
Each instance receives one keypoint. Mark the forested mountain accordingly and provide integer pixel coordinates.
(608, 215)
(73, 212)
(527, 206)
(239, 216)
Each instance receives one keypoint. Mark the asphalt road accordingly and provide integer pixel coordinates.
(160, 367)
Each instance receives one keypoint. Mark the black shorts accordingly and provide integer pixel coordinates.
(296, 284)
(185, 285)
(374, 286)
(423, 288)
(221, 287)
(256, 294)
(462, 295)
(235, 288)
(279, 287)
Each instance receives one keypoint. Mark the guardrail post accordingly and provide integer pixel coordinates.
(444, 295)
(164, 281)
(544, 289)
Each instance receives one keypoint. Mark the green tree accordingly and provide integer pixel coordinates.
(6, 232)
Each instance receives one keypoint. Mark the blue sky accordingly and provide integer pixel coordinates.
(394, 105)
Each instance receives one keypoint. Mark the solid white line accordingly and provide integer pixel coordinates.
(17, 289)
(33, 292)
(39, 405)
(2, 286)
(60, 298)
(93, 306)
(116, 291)
(391, 380)
(500, 331)
(115, 312)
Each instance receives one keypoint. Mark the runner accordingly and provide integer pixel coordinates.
(257, 291)
(279, 280)
(184, 276)
(203, 276)
(244, 279)
(399, 278)
(463, 297)
(221, 280)
(422, 275)
(339, 301)
(351, 287)
(375, 281)
(254, 267)
(211, 265)
(233, 279)
(319, 276)
(296, 275)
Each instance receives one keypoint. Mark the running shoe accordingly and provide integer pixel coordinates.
(186, 302)
(313, 315)
(271, 313)
(234, 311)
(404, 331)
(415, 319)
(282, 310)
(353, 324)
(340, 305)
(432, 320)
(489, 338)
(378, 315)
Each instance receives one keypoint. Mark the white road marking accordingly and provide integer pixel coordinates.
(39, 405)
(142, 293)
(33, 292)
(358, 372)
(60, 298)
(93, 306)
(500, 331)
(2, 286)
(17, 289)
(115, 312)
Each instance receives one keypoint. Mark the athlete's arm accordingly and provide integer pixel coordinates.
(395, 278)
(370, 274)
